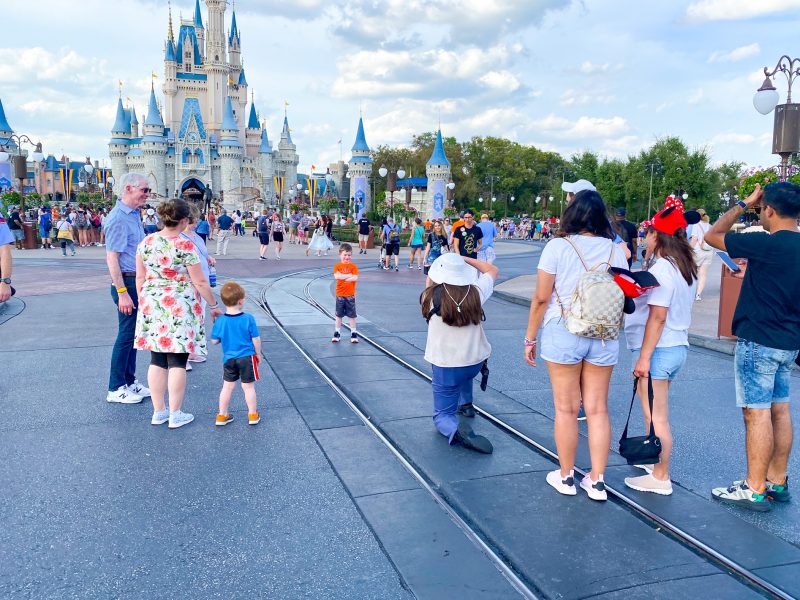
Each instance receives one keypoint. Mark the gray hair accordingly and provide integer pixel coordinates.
(132, 179)
(224, 211)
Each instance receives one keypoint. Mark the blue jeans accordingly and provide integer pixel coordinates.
(761, 374)
(452, 387)
(123, 357)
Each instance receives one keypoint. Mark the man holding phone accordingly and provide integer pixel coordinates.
(767, 323)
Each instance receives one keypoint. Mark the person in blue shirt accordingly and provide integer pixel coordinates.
(225, 227)
(489, 230)
(391, 241)
(6, 240)
(241, 346)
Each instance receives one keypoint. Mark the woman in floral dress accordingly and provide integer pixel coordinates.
(170, 282)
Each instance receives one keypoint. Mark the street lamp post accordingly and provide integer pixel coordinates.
(786, 126)
(490, 179)
(20, 161)
(653, 165)
(391, 184)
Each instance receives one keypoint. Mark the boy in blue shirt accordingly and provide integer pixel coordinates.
(241, 347)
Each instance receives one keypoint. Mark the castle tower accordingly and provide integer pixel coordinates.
(360, 168)
(230, 152)
(154, 147)
(118, 146)
(134, 123)
(234, 44)
(287, 159)
(199, 29)
(5, 128)
(216, 64)
(265, 163)
(170, 87)
(438, 172)
(252, 133)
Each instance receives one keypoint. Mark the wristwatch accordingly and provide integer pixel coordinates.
(5, 280)
(742, 204)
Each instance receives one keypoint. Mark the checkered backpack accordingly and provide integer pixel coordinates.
(597, 302)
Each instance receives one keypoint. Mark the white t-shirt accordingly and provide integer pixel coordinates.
(699, 231)
(673, 293)
(560, 259)
(449, 346)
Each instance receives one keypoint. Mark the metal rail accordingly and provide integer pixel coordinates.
(511, 576)
(740, 571)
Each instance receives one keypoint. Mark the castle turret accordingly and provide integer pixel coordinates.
(5, 128)
(438, 171)
(134, 123)
(170, 87)
(216, 63)
(359, 169)
(154, 147)
(118, 146)
(265, 162)
(234, 44)
(252, 133)
(200, 31)
(230, 152)
(287, 159)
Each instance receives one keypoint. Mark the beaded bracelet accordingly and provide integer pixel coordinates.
(529, 343)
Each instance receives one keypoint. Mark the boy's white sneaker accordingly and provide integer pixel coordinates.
(138, 389)
(123, 395)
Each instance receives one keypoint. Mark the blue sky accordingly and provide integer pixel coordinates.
(564, 75)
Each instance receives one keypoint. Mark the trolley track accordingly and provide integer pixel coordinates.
(727, 564)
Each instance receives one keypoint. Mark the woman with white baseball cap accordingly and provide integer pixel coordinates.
(457, 288)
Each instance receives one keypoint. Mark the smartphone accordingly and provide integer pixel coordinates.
(728, 261)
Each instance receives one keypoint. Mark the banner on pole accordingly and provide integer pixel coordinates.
(438, 199)
(360, 195)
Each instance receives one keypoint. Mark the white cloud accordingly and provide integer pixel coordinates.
(501, 80)
(574, 98)
(736, 54)
(731, 10)
(583, 127)
(589, 67)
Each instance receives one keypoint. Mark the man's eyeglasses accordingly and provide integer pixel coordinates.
(145, 190)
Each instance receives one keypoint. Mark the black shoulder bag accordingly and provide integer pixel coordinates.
(645, 449)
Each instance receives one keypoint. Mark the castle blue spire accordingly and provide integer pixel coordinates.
(234, 35)
(265, 147)
(242, 80)
(153, 114)
(134, 120)
(361, 140)
(252, 122)
(438, 157)
(4, 126)
(229, 121)
(170, 53)
(286, 129)
(121, 123)
(198, 17)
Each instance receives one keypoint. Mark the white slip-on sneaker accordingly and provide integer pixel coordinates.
(648, 483)
(179, 419)
(123, 395)
(646, 468)
(596, 490)
(160, 417)
(138, 389)
(563, 485)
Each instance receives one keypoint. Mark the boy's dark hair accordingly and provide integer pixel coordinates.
(586, 214)
(345, 247)
(784, 198)
(231, 293)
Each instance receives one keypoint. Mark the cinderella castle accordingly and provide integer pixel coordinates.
(205, 138)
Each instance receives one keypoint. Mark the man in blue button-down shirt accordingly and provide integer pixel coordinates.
(6, 239)
(124, 231)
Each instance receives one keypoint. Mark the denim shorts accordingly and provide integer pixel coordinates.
(761, 374)
(564, 348)
(665, 363)
(19, 234)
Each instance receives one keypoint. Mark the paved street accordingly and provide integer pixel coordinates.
(99, 504)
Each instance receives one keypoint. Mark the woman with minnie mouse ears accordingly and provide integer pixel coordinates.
(657, 331)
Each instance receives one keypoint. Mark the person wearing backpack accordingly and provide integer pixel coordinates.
(45, 226)
(391, 240)
(703, 253)
(262, 226)
(578, 307)
(657, 332)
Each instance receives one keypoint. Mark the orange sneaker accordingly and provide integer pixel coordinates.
(253, 418)
(223, 420)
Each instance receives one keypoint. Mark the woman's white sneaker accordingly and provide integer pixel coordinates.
(179, 419)
(596, 490)
(646, 468)
(160, 417)
(648, 483)
(563, 485)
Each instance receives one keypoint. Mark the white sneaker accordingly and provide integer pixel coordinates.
(646, 468)
(596, 490)
(160, 417)
(648, 483)
(138, 389)
(179, 419)
(123, 395)
(563, 485)
(189, 367)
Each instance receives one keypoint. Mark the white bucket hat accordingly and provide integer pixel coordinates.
(450, 268)
(578, 186)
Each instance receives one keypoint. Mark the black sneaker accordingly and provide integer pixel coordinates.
(396, 268)
(467, 410)
(471, 440)
(354, 338)
(336, 337)
(779, 492)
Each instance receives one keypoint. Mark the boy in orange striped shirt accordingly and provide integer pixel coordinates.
(346, 274)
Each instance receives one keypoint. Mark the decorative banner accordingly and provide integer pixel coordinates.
(278, 181)
(65, 176)
(312, 189)
(438, 199)
(360, 195)
(5, 176)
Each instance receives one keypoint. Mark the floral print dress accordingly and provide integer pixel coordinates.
(170, 315)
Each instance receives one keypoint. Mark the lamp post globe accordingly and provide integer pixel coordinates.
(401, 173)
(38, 155)
(88, 169)
(766, 98)
(382, 171)
(451, 186)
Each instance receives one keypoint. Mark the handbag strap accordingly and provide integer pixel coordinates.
(649, 401)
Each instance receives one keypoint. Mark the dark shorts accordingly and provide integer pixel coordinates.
(169, 360)
(244, 368)
(263, 238)
(278, 236)
(393, 248)
(346, 306)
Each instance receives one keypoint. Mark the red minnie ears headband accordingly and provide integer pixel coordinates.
(672, 217)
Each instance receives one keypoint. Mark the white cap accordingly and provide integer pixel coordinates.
(578, 186)
(151, 212)
(451, 268)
